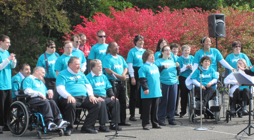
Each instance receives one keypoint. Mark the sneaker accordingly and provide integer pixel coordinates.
(63, 123)
(52, 126)
(103, 128)
(113, 127)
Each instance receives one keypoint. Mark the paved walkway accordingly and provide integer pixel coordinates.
(184, 130)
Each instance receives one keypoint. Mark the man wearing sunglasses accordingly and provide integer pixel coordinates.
(99, 49)
(47, 61)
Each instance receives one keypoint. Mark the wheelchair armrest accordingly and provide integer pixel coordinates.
(22, 96)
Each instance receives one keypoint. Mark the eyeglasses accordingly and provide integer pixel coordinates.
(101, 36)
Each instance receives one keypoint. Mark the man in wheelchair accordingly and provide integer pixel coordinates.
(34, 86)
(208, 79)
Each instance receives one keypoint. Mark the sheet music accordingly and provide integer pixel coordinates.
(243, 78)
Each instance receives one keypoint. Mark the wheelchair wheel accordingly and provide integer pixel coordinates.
(192, 118)
(39, 134)
(61, 132)
(18, 118)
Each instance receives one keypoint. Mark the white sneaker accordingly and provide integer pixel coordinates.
(63, 123)
(52, 126)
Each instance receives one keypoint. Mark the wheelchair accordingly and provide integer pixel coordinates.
(21, 117)
(212, 109)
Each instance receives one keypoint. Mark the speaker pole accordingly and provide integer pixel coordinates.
(216, 38)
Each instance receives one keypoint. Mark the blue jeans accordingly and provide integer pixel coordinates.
(167, 102)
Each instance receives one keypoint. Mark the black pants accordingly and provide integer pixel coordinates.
(207, 94)
(184, 94)
(150, 111)
(119, 89)
(134, 94)
(48, 108)
(240, 96)
(5, 103)
(50, 83)
(113, 109)
(68, 111)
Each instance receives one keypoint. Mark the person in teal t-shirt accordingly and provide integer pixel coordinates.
(149, 77)
(134, 61)
(102, 88)
(169, 86)
(62, 61)
(34, 86)
(18, 78)
(47, 61)
(162, 42)
(98, 50)
(76, 91)
(236, 55)
(207, 82)
(7, 63)
(186, 62)
(116, 70)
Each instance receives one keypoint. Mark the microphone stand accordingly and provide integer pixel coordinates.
(116, 123)
(201, 128)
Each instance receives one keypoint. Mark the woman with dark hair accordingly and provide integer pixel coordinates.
(233, 57)
(209, 80)
(162, 42)
(169, 85)
(214, 55)
(134, 61)
(150, 90)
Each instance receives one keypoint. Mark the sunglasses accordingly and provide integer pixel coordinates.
(101, 36)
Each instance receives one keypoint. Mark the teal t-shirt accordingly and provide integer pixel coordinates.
(233, 58)
(34, 84)
(175, 57)
(135, 57)
(167, 76)
(157, 54)
(116, 64)
(16, 84)
(183, 62)
(98, 51)
(6, 73)
(151, 73)
(78, 53)
(62, 62)
(74, 83)
(214, 54)
(51, 58)
(207, 75)
(100, 84)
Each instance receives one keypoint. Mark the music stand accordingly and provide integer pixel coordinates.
(246, 80)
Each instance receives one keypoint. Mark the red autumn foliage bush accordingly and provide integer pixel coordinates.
(186, 26)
